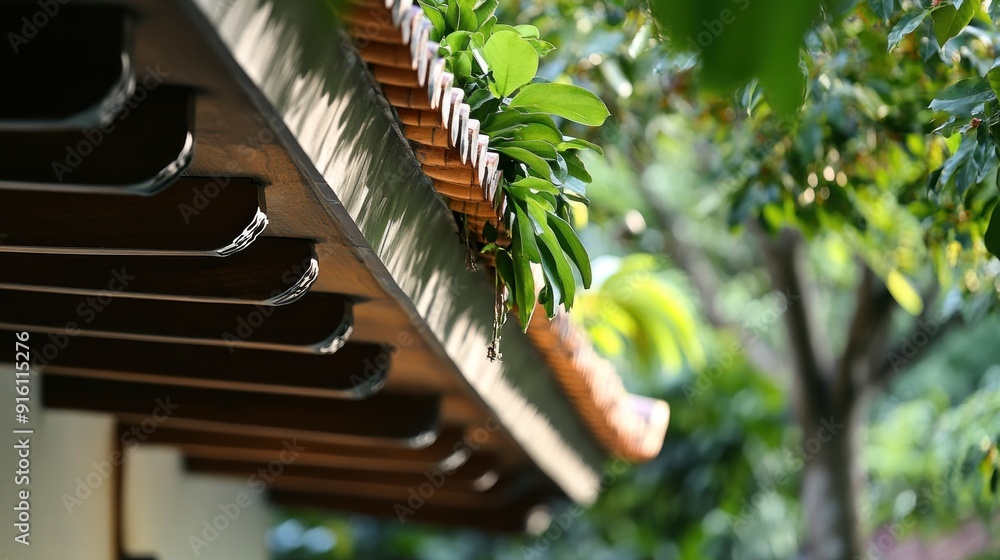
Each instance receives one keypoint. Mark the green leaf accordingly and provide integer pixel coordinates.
(995, 13)
(577, 168)
(537, 147)
(528, 31)
(436, 18)
(505, 268)
(512, 60)
(573, 247)
(509, 117)
(567, 101)
(906, 25)
(539, 132)
(486, 9)
(525, 233)
(460, 15)
(524, 289)
(535, 163)
(961, 97)
(883, 8)
(993, 76)
(535, 184)
(949, 21)
(578, 144)
(554, 263)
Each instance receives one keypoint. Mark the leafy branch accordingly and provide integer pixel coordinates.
(542, 173)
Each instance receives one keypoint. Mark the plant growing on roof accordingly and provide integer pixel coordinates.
(542, 174)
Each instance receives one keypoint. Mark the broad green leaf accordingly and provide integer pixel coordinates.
(535, 163)
(573, 247)
(883, 8)
(537, 147)
(906, 25)
(486, 9)
(904, 293)
(995, 13)
(528, 31)
(993, 76)
(567, 101)
(535, 184)
(505, 268)
(436, 18)
(460, 15)
(558, 265)
(577, 168)
(525, 232)
(539, 131)
(509, 117)
(512, 60)
(961, 97)
(524, 289)
(578, 144)
(949, 21)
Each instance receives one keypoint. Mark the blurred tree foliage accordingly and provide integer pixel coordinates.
(792, 214)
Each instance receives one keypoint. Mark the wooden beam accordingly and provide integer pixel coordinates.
(272, 271)
(516, 517)
(318, 323)
(214, 216)
(285, 464)
(142, 151)
(449, 451)
(72, 64)
(357, 371)
(384, 419)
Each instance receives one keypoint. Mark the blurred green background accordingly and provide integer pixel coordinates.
(783, 247)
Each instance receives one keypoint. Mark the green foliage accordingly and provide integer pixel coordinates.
(543, 175)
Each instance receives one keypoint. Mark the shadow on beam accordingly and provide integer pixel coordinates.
(195, 216)
(65, 66)
(272, 271)
(316, 324)
(385, 419)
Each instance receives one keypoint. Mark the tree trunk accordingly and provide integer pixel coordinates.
(829, 490)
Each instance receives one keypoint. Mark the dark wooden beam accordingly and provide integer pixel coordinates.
(272, 271)
(287, 466)
(512, 518)
(318, 323)
(214, 216)
(450, 451)
(141, 151)
(64, 65)
(357, 371)
(406, 420)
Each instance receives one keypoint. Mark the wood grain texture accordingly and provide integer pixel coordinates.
(75, 70)
(270, 271)
(197, 215)
(146, 147)
(386, 419)
(316, 324)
